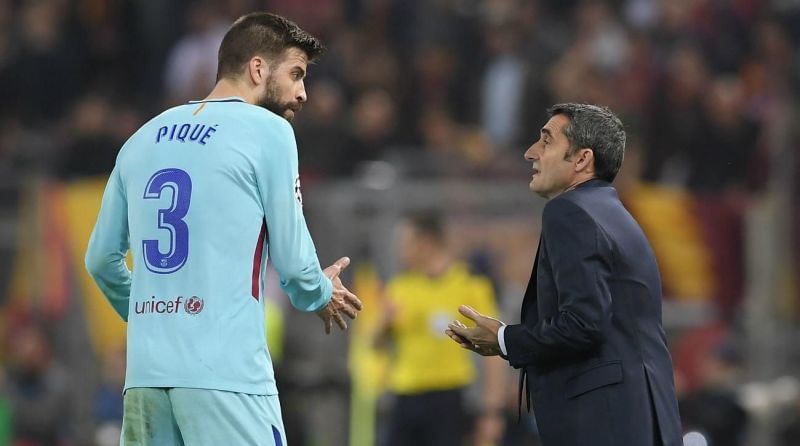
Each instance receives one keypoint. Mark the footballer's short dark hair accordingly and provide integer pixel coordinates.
(262, 34)
(596, 128)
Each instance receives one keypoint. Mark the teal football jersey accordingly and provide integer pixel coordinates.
(201, 195)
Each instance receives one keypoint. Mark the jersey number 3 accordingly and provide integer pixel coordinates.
(170, 218)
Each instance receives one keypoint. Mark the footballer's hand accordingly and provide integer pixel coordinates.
(481, 339)
(342, 303)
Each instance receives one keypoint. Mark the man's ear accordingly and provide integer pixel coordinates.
(584, 160)
(258, 70)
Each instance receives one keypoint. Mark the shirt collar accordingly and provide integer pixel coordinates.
(229, 99)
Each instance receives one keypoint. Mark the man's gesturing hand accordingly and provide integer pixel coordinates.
(342, 301)
(481, 339)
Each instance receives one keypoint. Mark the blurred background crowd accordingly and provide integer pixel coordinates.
(419, 105)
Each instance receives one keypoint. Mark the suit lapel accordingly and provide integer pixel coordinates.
(530, 291)
(529, 299)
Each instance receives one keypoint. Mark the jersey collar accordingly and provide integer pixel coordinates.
(230, 99)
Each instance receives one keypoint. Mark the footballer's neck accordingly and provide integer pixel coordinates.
(227, 88)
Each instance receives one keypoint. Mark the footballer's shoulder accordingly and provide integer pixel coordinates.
(268, 117)
(157, 119)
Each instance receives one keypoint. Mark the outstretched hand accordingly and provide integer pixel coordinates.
(342, 302)
(481, 339)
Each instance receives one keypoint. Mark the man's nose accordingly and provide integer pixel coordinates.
(530, 154)
(301, 93)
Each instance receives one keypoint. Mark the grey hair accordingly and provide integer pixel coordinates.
(596, 128)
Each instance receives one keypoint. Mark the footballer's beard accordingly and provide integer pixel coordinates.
(270, 100)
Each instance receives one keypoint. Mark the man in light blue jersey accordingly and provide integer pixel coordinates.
(201, 195)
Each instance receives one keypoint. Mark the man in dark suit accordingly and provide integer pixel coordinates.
(591, 342)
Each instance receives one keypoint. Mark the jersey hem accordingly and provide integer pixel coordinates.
(229, 387)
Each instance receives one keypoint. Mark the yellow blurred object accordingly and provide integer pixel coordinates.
(426, 359)
(665, 215)
(55, 228)
(40, 276)
(368, 366)
(273, 313)
(81, 205)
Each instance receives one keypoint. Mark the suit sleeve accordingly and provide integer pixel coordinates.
(108, 245)
(290, 245)
(580, 258)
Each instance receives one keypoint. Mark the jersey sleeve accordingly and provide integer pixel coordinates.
(108, 245)
(290, 245)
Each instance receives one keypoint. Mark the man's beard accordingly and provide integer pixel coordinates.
(271, 101)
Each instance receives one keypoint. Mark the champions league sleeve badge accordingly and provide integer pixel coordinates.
(297, 194)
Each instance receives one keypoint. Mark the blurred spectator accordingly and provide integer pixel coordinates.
(431, 83)
(373, 66)
(322, 137)
(108, 399)
(6, 36)
(450, 149)
(674, 24)
(727, 144)
(192, 64)
(373, 127)
(605, 38)
(90, 149)
(316, 16)
(713, 409)
(503, 85)
(38, 390)
(724, 28)
(43, 76)
(676, 117)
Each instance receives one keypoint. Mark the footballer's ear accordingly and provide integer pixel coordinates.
(258, 70)
(584, 160)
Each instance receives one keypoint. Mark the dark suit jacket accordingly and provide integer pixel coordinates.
(591, 341)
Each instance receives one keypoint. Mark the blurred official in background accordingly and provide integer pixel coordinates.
(590, 342)
(428, 375)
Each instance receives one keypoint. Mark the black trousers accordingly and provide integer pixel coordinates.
(428, 419)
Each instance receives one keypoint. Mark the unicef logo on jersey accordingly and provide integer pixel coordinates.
(193, 305)
(154, 305)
